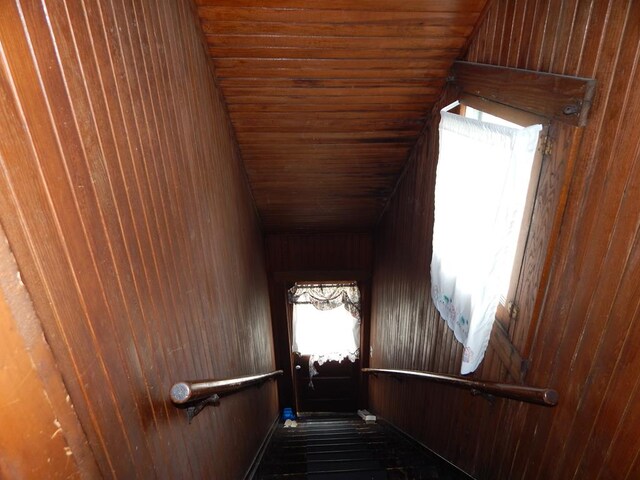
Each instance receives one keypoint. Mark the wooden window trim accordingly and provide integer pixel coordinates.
(512, 114)
(562, 103)
(556, 97)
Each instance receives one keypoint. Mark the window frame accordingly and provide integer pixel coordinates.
(507, 308)
(508, 305)
(563, 102)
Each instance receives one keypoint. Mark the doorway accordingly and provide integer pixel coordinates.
(325, 320)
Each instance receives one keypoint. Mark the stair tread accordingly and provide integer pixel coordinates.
(347, 448)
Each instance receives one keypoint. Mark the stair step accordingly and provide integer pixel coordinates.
(318, 433)
(363, 475)
(348, 448)
(328, 445)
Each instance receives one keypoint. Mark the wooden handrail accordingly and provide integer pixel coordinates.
(191, 391)
(540, 396)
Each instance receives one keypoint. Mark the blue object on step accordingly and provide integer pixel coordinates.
(287, 414)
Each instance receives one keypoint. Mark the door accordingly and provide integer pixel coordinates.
(334, 388)
(325, 345)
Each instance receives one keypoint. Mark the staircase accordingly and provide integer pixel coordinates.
(346, 448)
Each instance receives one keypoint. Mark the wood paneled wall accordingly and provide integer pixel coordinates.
(39, 425)
(124, 201)
(319, 252)
(586, 341)
(312, 257)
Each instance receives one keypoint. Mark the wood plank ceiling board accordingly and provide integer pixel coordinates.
(327, 99)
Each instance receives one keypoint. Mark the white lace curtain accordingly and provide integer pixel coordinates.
(328, 296)
(482, 179)
(326, 322)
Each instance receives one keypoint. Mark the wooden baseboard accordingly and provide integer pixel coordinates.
(253, 468)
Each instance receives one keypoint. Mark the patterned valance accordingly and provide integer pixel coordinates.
(328, 296)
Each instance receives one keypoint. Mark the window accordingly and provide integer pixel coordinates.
(333, 334)
(487, 170)
(326, 321)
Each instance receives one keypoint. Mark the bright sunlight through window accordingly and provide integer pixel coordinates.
(325, 332)
(483, 175)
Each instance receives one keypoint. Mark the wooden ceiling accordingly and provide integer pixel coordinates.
(328, 97)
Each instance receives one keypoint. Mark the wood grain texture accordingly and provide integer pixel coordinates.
(304, 257)
(362, 60)
(585, 342)
(124, 200)
(560, 97)
(41, 436)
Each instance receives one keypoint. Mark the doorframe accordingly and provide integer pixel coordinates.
(286, 279)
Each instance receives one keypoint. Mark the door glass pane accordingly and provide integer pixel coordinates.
(331, 333)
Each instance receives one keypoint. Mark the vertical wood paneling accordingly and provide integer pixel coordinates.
(310, 257)
(585, 342)
(50, 442)
(319, 252)
(124, 200)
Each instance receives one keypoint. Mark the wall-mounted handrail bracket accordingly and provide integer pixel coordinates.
(196, 407)
(487, 396)
(194, 396)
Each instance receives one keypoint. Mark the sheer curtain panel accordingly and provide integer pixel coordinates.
(482, 179)
(326, 323)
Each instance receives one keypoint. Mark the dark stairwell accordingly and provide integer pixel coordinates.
(344, 447)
